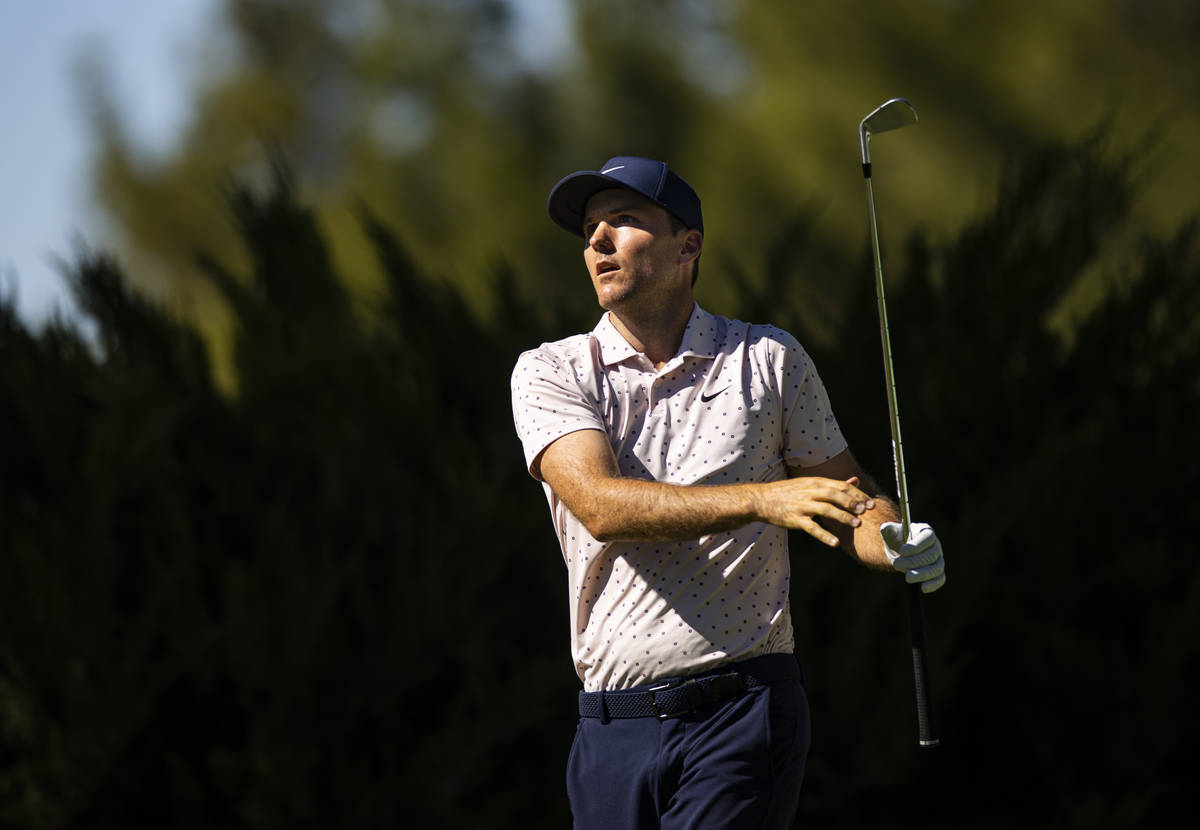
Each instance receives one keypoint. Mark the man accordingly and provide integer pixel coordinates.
(676, 448)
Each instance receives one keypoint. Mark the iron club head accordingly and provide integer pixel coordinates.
(890, 115)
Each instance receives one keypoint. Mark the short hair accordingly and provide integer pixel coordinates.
(678, 226)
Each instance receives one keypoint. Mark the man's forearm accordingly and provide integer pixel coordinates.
(627, 509)
(582, 471)
(630, 509)
(864, 542)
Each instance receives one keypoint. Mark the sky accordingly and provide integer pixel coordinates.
(45, 138)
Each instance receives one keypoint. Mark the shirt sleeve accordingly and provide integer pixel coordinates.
(548, 403)
(811, 432)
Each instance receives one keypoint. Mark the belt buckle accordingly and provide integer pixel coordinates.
(699, 692)
(654, 704)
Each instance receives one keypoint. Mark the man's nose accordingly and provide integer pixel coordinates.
(601, 238)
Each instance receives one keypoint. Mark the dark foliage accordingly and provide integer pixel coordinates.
(334, 598)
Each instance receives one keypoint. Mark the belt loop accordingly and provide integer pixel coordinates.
(604, 718)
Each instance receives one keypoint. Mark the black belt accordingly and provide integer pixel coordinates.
(671, 699)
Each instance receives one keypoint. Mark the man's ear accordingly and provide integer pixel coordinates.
(693, 241)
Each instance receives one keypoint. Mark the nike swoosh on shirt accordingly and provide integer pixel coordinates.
(707, 398)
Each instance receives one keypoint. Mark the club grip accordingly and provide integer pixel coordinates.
(926, 733)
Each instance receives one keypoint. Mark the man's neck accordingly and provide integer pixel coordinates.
(655, 334)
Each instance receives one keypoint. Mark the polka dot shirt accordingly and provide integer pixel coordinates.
(738, 403)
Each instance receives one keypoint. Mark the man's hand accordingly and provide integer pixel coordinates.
(919, 557)
(798, 502)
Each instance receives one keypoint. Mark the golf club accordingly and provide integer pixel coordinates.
(892, 115)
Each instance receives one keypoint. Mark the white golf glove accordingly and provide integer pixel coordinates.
(919, 558)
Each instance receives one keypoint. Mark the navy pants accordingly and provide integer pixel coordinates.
(737, 763)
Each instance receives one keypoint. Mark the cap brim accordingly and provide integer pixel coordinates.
(570, 196)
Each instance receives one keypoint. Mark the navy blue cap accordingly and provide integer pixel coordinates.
(646, 177)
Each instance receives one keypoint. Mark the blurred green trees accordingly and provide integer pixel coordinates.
(279, 609)
(451, 120)
(334, 599)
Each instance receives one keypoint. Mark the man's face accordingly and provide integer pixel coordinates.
(632, 254)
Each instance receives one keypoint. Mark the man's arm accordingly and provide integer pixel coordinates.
(863, 541)
(582, 471)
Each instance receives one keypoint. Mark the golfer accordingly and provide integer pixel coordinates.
(676, 448)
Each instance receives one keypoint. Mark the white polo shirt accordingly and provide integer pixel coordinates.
(738, 403)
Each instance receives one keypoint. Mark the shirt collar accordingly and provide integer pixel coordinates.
(699, 338)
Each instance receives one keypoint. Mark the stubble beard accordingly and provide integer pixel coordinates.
(636, 302)
(613, 295)
(612, 299)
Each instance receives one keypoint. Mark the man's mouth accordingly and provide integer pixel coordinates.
(605, 267)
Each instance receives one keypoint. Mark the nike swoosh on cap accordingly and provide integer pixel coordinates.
(609, 170)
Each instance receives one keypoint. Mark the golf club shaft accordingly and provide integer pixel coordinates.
(926, 734)
(888, 370)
